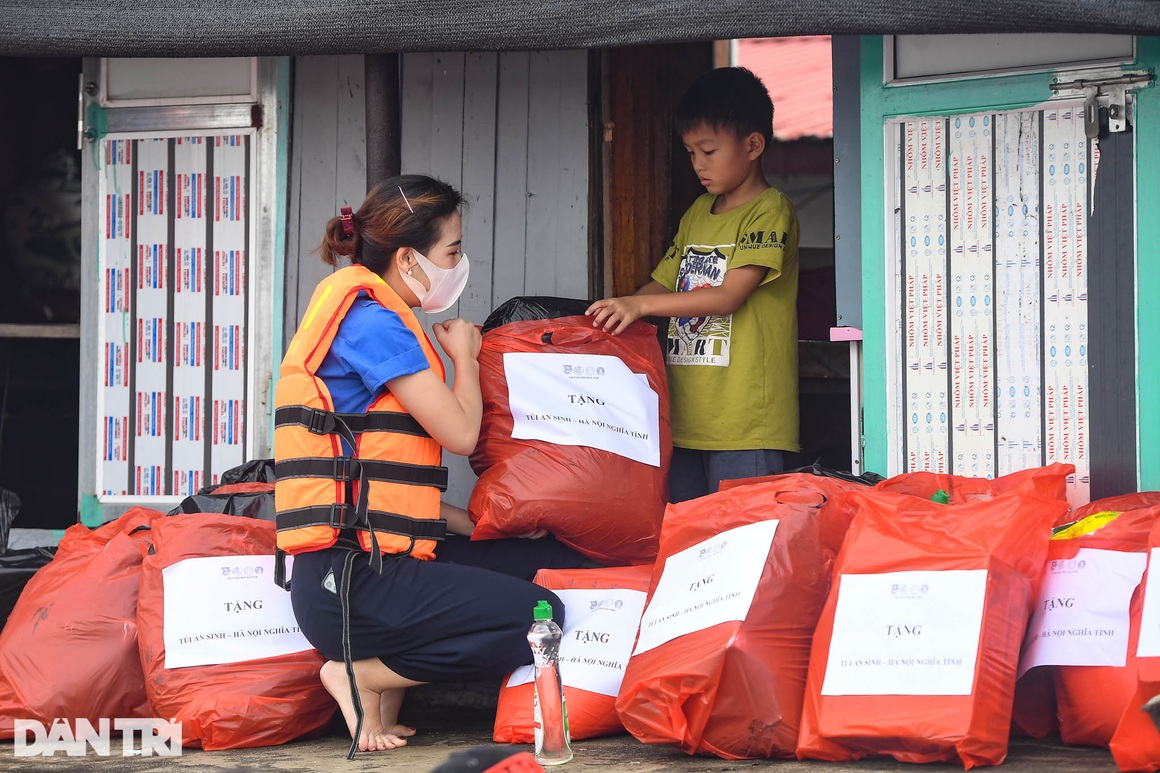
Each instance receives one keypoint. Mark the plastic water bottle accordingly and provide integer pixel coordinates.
(553, 746)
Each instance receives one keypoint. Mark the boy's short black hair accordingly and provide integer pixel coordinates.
(730, 98)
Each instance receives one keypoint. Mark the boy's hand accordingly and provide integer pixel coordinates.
(459, 338)
(615, 314)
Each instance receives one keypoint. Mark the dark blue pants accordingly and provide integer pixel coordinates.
(462, 617)
(694, 473)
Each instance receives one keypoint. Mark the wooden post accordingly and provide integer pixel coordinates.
(383, 110)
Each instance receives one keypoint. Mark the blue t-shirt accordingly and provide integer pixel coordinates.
(372, 346)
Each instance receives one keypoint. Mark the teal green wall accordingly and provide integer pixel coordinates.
(1148, 269)
(881, 103)
(281, 207)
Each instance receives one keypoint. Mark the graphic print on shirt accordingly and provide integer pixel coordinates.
(700, 340)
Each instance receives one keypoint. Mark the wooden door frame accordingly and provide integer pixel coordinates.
(645, 181)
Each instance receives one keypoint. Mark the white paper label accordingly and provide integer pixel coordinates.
(589, 400)
(906, 633)
(1149, 644)
(227, 609)
(1081, 618)
(712, 582)
(599, 630)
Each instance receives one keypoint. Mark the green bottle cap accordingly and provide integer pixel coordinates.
(542, 611)
(941, 496)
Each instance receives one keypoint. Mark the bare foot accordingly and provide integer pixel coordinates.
(373, 736)
(389, 705)
(403, 732)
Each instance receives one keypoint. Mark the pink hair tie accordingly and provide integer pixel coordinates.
(347, 221)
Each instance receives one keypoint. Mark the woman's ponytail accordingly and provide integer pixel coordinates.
(405, 211)
(337, 244)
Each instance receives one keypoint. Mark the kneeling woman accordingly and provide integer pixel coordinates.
(363, 415)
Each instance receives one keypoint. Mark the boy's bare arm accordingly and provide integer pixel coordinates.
(654, 300)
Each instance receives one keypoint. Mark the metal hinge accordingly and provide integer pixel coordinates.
(1113, 89)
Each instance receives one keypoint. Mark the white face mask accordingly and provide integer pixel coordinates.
(446, 283)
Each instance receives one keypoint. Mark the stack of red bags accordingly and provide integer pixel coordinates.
(916, 652)
(720, 662)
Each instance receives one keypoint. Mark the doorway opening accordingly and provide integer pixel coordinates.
(40, 278)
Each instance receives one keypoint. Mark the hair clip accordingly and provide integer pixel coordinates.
(408, 203)
(348, 221)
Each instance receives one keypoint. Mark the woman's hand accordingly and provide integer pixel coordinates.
(452, 415)
(459, 338)
(458, 519)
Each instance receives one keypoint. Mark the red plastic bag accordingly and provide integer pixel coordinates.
(225, 705)
(69, 649)
(1036, 711)
(605, 505)
(1110, 505)
(1091, 698)
(933, 603)
(720, 662)
(1135, 744)
(1044, 481)
(587, 633)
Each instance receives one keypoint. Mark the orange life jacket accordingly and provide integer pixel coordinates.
(388, 493)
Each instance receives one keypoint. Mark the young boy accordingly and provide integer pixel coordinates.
(728, 284)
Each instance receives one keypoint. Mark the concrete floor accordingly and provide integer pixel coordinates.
(444, 731)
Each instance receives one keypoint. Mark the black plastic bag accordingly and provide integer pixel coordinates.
(253, 471)
(247, 504)
(9, 507)
(528, 307)
(866, 478)
(246, 490)
(16, 569)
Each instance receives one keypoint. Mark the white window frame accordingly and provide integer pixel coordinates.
(206, 99)
(890, 78)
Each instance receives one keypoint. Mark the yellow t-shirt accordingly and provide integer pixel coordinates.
(733, 380)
